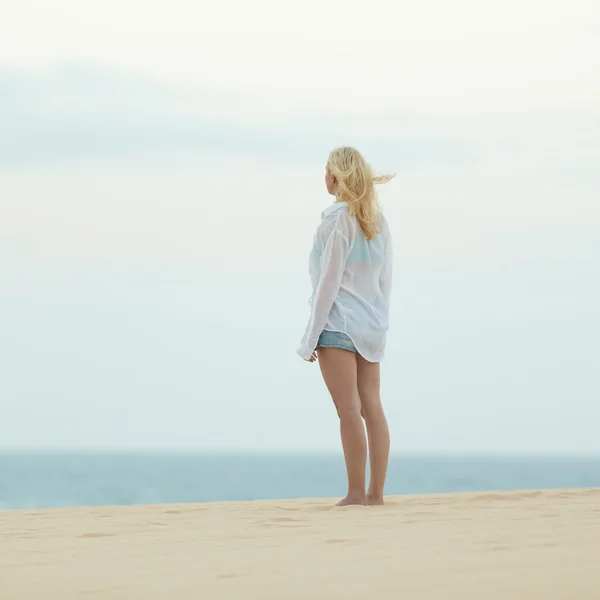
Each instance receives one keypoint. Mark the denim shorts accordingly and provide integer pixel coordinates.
(335, 339)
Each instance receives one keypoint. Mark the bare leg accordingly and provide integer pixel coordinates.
(368, 379)
(339, 372)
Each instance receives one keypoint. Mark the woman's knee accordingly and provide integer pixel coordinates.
(371, 408)
(350, 409)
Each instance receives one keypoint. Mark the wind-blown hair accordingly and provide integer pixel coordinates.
(356, 186)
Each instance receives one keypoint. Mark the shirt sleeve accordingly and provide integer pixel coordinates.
(333, 263)
(385, 277)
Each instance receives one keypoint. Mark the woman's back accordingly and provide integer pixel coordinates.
(360, 308)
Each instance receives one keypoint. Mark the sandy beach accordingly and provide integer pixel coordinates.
(514, 545)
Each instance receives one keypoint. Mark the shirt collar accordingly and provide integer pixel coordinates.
(333, 207)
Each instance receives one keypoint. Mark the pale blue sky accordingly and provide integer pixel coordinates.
(161, 175)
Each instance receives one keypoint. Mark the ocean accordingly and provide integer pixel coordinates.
(50, 480)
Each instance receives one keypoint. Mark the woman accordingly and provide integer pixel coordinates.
(351, 272)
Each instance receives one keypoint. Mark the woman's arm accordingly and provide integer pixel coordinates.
(385, 277)
(333, 263)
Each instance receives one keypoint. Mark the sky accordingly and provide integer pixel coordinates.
(161, 177)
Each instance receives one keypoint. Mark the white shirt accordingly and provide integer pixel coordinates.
(351, 280)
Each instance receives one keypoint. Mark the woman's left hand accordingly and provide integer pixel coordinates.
(313, 357)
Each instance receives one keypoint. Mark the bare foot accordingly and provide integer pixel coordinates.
(374, 500)
(352, 501)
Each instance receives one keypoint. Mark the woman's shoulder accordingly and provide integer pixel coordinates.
(383, 223)
(340, 221)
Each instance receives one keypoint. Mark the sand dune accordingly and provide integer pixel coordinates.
(516, 545)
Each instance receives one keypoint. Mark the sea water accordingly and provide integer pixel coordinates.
(46, 480)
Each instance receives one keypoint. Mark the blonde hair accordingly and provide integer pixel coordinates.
(356, 186)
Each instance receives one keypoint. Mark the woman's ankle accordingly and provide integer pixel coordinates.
(374, 499)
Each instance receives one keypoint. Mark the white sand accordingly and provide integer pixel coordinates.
(509, 546)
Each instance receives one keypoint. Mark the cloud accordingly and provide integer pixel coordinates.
(466, 54)
(82, 112)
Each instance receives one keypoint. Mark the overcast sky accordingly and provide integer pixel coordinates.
(161, 176)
